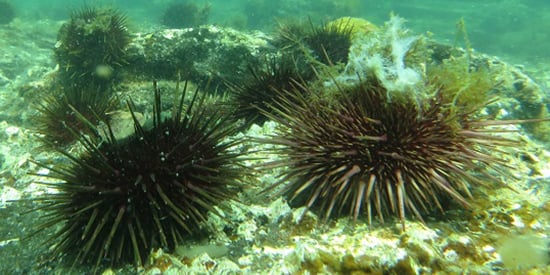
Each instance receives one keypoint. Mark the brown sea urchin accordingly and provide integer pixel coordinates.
(364, 153)
(125, 197)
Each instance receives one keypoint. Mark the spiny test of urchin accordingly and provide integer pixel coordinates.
(328, 43)
(91, 46)
(122, 198)
(360, 153)
(57, 112)
(262, 87)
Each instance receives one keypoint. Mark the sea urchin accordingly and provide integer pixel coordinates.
(58, 112)
(261, 88)
(92, 46)
(122, 198)
(362, 153)
(327, 43)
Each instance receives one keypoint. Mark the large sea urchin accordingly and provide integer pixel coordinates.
(364, 153)
(122, 198)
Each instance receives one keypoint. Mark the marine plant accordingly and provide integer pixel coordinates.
(121, 198)
(359, 153)
(78, 108)
(392, 55)
(91, 47)
(464, 85)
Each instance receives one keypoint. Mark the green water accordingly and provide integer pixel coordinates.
(514, 29)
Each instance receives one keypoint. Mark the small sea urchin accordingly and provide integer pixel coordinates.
(262, 88)
(122, 198)
(327, 43)
(362, 153)
(57, 113)
(91, 46)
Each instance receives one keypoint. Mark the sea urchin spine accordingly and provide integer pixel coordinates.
(122, 198)
(362, 153)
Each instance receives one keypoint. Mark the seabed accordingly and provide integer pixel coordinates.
(505, 232)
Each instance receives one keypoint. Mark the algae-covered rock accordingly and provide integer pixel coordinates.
(200, 54)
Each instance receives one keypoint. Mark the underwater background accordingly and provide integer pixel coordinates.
(514, 29)
(504, 232)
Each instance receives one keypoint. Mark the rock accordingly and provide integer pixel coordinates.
(201, 54)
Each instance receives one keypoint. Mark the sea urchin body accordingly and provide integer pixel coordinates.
(262, 88)
(123, 198)
(362, 153)
(92, 44)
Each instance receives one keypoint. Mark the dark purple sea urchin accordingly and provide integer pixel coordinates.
(261, 88)
(57, 112)
(363, 153)
(123, 198)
